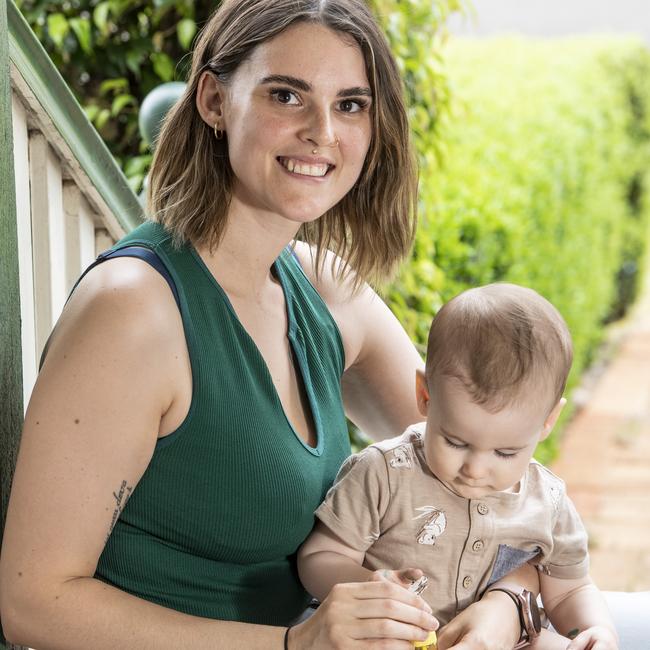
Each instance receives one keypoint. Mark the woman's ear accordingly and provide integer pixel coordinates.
(552, 418)
(210, 94)
(422, 392)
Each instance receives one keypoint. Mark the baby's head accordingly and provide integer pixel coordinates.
(497, 364)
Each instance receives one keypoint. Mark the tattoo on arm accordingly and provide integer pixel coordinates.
(121, 497)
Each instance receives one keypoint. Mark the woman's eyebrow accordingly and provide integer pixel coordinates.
(303, 85)
(300, 84)
(354, 92)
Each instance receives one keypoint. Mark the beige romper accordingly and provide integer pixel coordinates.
(387, 503)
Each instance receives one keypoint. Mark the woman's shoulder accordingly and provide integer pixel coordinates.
(122, 303)
(329, 275)
(335, 285)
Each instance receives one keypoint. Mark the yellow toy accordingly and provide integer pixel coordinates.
(430, 643)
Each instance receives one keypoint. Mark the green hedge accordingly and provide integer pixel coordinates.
(544, 183)
(113, 52)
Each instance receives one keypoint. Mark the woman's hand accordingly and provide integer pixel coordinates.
(373, 614)
(598, 637)
(488, 624)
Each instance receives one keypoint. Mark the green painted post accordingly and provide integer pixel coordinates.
(11, 379)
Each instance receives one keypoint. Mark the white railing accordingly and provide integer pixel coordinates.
(72, 202)
(60, 228)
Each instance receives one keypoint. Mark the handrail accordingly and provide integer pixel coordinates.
(45, 81)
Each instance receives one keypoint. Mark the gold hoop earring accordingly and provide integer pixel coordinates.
(218, 133)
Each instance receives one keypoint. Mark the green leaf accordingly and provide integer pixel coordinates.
(134, 60)
(82, 30)
(137, 165)
(135, 182)
(100, 17)
(58, 28)
(91, 111)
(113, 85)
(163, 66)
(120, 102)
(186, 29)
(102, 118)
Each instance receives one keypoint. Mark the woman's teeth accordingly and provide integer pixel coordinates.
(304, 169)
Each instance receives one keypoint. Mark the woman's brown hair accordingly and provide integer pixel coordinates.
(373, 226)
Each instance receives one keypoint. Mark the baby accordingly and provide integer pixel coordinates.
(459, 497)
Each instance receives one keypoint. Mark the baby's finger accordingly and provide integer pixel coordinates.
(581, 642)
(409, 575)
(380, 575)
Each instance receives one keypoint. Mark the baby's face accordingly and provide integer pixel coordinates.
(475, 452)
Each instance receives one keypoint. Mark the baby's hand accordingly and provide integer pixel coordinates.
(595, 638)
(404, 577)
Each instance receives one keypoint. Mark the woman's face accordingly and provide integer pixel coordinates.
(305, 90)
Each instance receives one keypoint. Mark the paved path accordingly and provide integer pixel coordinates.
(605, 459)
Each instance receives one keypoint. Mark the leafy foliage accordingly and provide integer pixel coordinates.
(112, 53)
(544, 183)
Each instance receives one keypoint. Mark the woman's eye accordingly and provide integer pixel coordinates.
(352, 105)
(454, 445)
(284, 96)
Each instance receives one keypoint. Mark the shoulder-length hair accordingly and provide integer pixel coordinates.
(373, 226)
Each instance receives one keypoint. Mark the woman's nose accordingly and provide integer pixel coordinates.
(319, 128)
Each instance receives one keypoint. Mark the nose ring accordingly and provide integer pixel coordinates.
(336, 143)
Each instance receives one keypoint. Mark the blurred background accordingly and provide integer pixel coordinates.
(554, 18)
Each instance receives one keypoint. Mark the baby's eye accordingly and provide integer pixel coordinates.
(353, 105)
(505, 454)
(285, 96)
(454, 445)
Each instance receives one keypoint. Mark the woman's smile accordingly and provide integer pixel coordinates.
(311, 168)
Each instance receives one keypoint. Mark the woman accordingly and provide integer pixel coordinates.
(216, 409)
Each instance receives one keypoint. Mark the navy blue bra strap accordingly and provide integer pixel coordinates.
(146, 255)
(141, 252)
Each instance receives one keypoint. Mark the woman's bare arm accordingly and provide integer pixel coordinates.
(109, 380)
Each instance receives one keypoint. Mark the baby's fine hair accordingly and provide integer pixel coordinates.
(504, 343)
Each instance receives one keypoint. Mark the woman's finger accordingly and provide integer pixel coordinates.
(384, 628)
(384, 589)
(391, 610)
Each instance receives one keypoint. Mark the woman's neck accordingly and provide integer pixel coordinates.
(251, 242)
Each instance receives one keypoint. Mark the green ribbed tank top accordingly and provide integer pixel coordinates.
(213, 526)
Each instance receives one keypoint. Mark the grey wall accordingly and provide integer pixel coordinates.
(556, 17)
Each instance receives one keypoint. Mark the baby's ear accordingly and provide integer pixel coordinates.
(422, 392)
(552, 418)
